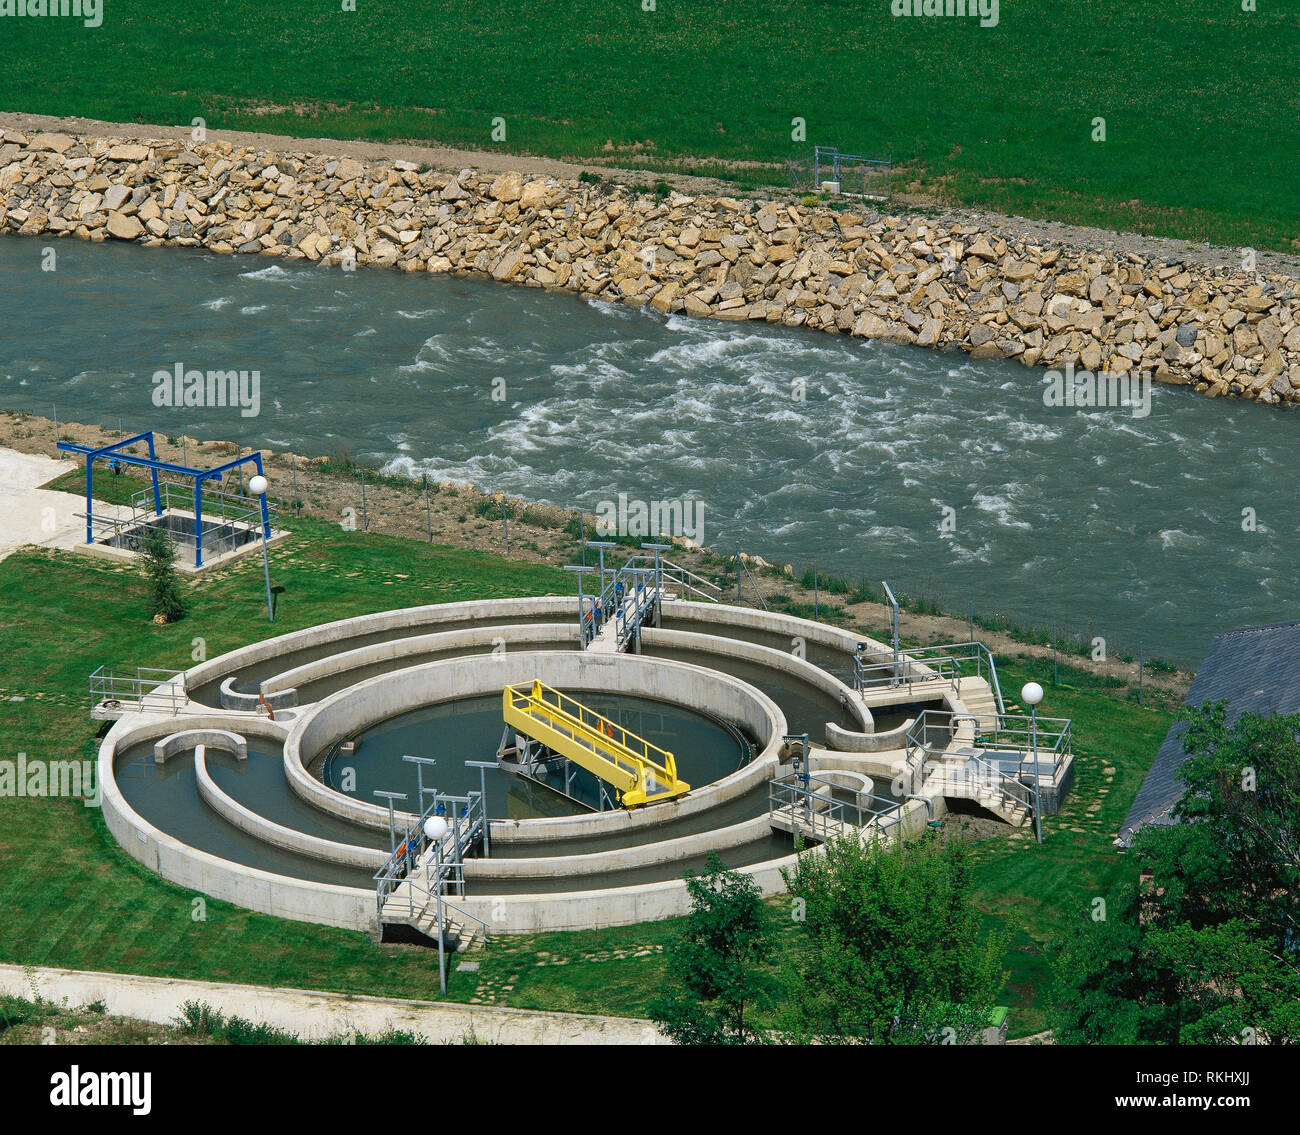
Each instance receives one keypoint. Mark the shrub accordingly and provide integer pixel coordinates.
(159, 553)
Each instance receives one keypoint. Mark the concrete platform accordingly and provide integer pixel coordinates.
(30, 515)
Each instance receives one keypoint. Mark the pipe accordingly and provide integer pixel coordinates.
(929, 805)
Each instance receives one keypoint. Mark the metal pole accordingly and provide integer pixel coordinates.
(816, 594)
(392, 831)
(293, 461)
(1140, 671)
(972, 623)
(442, 946)
(266, 568)
(1038, 800)
(419, 763)
(1054, 673)
(894, 605)
(56, 426)
(738, 599)
(365, 516)
(505, 519)
(482, 767)
(428, 514)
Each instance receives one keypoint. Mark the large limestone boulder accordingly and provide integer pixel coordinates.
(507, 188)
(123, 227)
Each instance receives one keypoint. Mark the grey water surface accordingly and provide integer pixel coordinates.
(1115, 525)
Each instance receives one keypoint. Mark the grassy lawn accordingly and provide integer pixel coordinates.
(1039, 892)
(70, 897)
(1199, 99)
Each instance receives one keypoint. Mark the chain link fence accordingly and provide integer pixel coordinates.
(849, 175)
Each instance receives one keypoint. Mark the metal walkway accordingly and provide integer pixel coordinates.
(640, 772)
(632, 596)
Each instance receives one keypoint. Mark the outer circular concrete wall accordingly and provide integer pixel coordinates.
(350, 710)
(189, 867)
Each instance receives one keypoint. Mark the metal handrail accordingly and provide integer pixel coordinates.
(1053, 736)
(959, 652)
(795, 794)
(906, 672)
(612, 735)
(145, 683)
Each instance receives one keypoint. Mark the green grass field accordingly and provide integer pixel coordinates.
(70, 897)
(1200, 99)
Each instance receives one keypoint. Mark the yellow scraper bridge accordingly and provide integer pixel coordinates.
(641, 772)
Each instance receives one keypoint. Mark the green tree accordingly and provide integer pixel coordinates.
(718, 962)
(892, 950)
(1210, 952)
(158, 551)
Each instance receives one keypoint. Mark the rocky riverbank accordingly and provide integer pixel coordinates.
(946, 284)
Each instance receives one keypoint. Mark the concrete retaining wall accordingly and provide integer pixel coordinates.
(222, 739)
(394, 649)
(277, 835)
(623, 858)
(402, 618)
(206, 874)
(348, 712)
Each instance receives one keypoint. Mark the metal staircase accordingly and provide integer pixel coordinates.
(640, 772)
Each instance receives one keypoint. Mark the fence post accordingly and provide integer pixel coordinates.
(1139, 671)
(365, 516)
(293, 464)
(428, 515)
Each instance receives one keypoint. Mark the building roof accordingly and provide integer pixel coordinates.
(1253, 669)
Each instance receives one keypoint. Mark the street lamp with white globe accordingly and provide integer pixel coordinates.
(1031, 694)
(258, 486)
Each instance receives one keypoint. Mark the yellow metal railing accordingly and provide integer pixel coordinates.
(640, 771)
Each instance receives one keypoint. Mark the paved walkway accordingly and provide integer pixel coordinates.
(32, 515)
(317, 1015)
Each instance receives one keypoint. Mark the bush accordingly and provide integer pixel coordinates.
(198, 1018)
(159, 553)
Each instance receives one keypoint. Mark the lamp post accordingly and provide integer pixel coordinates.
(1031, 694)
(258, 486)
(435, 830)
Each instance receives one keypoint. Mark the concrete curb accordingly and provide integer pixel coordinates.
(315, 1015)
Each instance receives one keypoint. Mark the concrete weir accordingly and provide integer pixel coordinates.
(272, 832)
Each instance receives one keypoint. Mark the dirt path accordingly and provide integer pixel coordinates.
(453, 160)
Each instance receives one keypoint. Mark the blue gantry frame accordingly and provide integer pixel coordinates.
(116, 453)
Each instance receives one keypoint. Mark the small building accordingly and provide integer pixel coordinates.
(1253, 669)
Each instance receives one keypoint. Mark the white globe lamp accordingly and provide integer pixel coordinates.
(435, 827)
(258, 486)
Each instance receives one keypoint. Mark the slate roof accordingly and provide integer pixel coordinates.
(1253, 669)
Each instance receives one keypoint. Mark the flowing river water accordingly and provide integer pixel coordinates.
(947, 476)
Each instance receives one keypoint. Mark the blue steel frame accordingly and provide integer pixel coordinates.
(113, 453)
